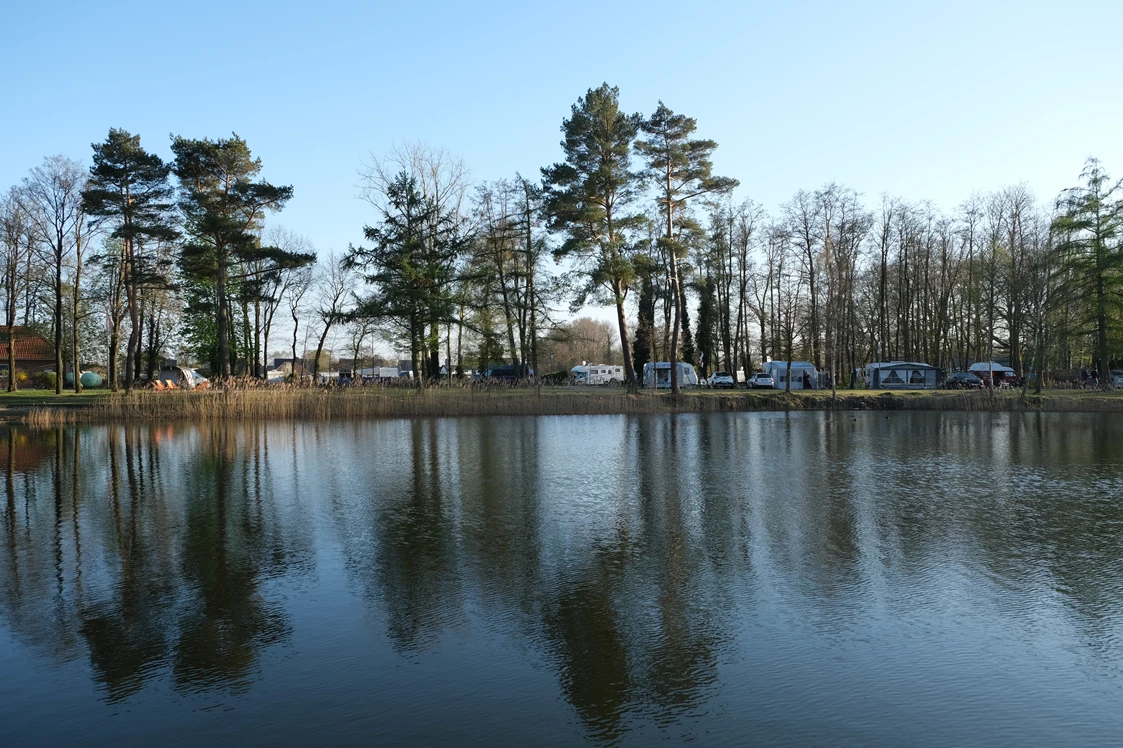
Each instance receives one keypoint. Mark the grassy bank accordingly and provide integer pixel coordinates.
(363, 403)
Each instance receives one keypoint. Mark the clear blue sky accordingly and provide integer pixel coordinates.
(929, 100)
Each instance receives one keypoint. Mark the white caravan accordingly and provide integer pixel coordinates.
(658, 375)
(804, 375)
(597, 374)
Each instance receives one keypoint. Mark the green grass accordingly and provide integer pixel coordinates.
(36, 398)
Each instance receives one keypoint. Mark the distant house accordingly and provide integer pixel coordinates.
(34, 353)
(287, 366)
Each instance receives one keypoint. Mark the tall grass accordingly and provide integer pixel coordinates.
(284, 403)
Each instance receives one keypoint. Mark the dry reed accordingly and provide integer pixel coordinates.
(285, 403)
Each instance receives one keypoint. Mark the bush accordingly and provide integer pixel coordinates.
(50, 379)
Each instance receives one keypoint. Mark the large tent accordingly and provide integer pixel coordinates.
(902, 375)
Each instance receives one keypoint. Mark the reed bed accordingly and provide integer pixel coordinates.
(285, 403)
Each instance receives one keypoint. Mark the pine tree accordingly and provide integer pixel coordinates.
(129, 186)
(587, 197)
(681, 169)
(223, 208)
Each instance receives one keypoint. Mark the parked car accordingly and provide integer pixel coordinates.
(761, 381)
(1117, 378)
(722, 379)
(962, 380)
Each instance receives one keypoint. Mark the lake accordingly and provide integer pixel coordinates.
(805, 579)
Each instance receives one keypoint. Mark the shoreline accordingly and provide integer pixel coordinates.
(355, 404)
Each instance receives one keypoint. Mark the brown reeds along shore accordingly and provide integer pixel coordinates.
(294, 403)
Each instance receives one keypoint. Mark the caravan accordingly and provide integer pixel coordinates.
(597, 374)
(804, 375)
(658, 375)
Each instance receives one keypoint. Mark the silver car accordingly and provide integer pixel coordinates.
(722, 379)
(761, 381)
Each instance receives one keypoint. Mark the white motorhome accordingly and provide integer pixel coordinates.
(658, 375)
(591, 374)
(804, 375)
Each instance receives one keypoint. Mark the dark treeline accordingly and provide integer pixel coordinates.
(134, 259)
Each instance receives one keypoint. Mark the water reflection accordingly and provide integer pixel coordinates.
(148, 567)
(687, 575)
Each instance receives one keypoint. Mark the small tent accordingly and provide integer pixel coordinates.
(181, 377)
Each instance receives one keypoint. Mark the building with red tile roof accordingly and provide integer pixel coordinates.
(33, 351)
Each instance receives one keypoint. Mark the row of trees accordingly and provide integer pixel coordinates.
(180, 251)
(475, 274)
(635, 206)
(839, 284)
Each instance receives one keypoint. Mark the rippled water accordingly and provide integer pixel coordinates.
(809, 579)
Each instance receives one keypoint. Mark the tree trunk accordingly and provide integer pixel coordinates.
(58, 316)
(629, 372)
(223, 323)
(12, 383)
(1101, 333)
(258, 368)
(74, 337)
(295, 326)
(114, 348)
(134, 338)
(319, 351)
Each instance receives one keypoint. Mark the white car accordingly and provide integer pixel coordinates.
(761, 381)
(722, 379)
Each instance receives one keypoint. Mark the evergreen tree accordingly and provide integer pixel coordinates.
(129, 186)
(707, 321)
(409, 264)
(1092, 251)
(645, 324)
(587, 197)
(681, 169)
(223, 208)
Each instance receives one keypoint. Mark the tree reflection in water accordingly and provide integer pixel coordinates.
(153, 570)
(637, 560)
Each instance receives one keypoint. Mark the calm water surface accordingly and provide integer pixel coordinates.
(768, 579)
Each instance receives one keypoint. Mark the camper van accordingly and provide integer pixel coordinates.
(804, 375)
(597, 374)
(658, 375)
